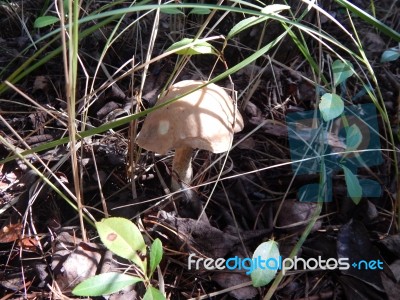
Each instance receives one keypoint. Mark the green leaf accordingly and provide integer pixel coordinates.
(44, 21)
(123, 238)
(251, 21)
(269, 252)
(331, 106)
(353, 185)
(353, 137)
(244, 24)
(200, 47)
(391, 54)
(153, 294)
(341, 71)
(104, 284)
(156, 253)
(171, 11)
(200, 11)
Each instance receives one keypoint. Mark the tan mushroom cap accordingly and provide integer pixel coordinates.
(203, 119)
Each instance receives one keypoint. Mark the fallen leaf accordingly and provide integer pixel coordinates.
(28, 244)
(10, 233)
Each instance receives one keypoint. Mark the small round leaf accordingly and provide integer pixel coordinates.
(264, 273)
(331, 106)
(391, 54)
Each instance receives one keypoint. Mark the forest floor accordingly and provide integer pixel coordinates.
(251, 195)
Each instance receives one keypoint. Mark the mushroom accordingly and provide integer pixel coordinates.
(204, 119)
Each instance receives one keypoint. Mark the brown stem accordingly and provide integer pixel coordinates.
(182, 168)
(189, 204)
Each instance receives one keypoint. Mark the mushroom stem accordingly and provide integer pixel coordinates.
(182, 168)
(189, 205)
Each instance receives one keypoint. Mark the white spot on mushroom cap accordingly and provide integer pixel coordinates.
(163, 127)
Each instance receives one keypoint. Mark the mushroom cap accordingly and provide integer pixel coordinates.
(203, 119)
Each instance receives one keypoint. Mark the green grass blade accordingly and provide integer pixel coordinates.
(371, 20)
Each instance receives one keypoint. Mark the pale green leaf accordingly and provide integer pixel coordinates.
(104, 284)
(251, 21)
(331, 106)
(123, 238)
(391, 54)
(353, 137)
(153, 294)
(44, 21)
(269, 252)
(244, 24)
(341, 71)
(200, 11)
(200, 47)
(156, 253)
(354, 188)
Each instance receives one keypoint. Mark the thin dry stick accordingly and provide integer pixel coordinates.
(70, 70)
